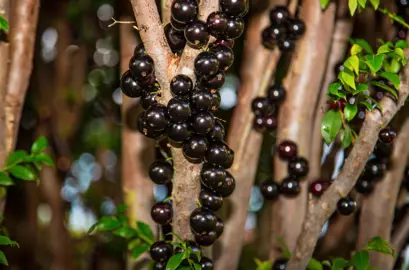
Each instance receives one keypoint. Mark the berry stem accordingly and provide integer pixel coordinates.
(121, 22)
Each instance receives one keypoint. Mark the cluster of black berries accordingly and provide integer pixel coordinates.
(297, 168)
(283, 30)
(184, 27)
(265, 108)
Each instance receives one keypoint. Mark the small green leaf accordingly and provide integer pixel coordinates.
(327, 263)
(23, 173)
(314, 264)
(352, 4)
(385, 87)
(401, 44)
(107, 223)
(375, 4)
(339, 264)
(360, 260)
(4, 25)
(367, 105)
(139, 250)
(144, 231)
(347, 77)
(197, 266)
(352, 63)
(400, 52)
(121, 209)
(330, 126)
(5, 180)
(126, 232)
(364, 44)
(334, 88)
(3, 259)
(45, 159)
(362, 3)
(5, 241)
(197, 253)
(355, 49)
(374, 62)
(174, 261)
(391, 77)
(350, 111)
(134, 243)
(266, 265)
(384, 49)
(284, 248)
(380, 245)
(346, 137)
(16, 157)
(324, 4)
(360, 87)
(39, 145)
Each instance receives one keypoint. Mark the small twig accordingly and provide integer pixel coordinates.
(121, 22)
(394, 17)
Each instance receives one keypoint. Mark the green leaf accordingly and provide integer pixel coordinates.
(339, 264)
(139, 250)
(16, 157)
(334, 89)
(352, 4)
(45, 159)
(360, 87)
(327, 263)
(107, 223)
(350, 111)
(3, 259)
(23, 173)
(346, 137)
(367, 105)
(324, 3)
(330, 126)
(362, 3)
(197, 253)
(385, 87)
(174, 261)
(126, 232)
(380, 245)
(352, 63)
(360, 260)
(314, 264)
(134, 243)
(374, 62)
(364, 44)
(5, 180)
(347, 77)
(400, 52)
(284, 248)
(355, 49)
(39, 145)
(197, 266)
(121, 209)
(375, 4)
(391, 77)
(384, 49)
(5, 241)
(401, 44)
(266, 265)
(4, 25)
(144, 231)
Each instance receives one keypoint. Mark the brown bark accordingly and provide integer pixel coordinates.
(165, 11)
(4, 64)
(400, 236)
(320, 210)
(303, 83)
(377, 210)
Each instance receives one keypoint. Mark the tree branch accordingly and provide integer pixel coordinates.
(400, 236)
(377, 210)
(165, 7)
(303, 83)
(320, 210)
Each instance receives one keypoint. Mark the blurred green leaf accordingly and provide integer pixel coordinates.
(385, 48)
(402, 44)
(16, 157)
(355, 49)
(394, 78)
(174, 261)
(352, 63)
(360, 260)
(121, 209)
(23, 173)
(197, 266)
(313, 264)
(139, 250)
(3, 259)
(126, 232)
(324, 3)
(380, 245)
(364, 44)
(45, 159)
(385, 87)
(4, 25)
(39, 145)
(5, 180)
(106, 223)
(374, 62)
(339, 264)
(375, 4)
(286, 253)
(362, 3)
(352, 4)
(144, 231)
(350, 111)
(347, 77)
(330, 126)
(346, 137)
(5, 241)
(367, 105)
(360, 87)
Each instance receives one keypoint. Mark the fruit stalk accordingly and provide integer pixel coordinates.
(321, 209)
(377, 210)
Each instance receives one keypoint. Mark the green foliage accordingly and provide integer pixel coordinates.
(324, 3)
(186, 254)
(5, 241)
(4, 25)
(361, 68)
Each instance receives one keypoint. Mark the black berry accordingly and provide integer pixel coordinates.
(387, 135)
(279, 15)
(203, 123)
(162, 213)
(226, 42)
(402, 3)
(280, 264)
(218, 132)
(286, 45)
(296, 28)
(276, 94)
(161, 251)
(287, 150)
(196, 34)
(181, 85)
(195, 148)
(210, 200)
(213, 177)
(224, 54)
(318, 187)
(176, 39)
(272, 34)
(217, 23)
(214, 82)
(146, 130)
(290, 187)
(161, 172)
(159, 266)
(234, 8)
(374, 170)
(148, 99)
(178, 132)
(184, 11)
(219, 154)
(270, 122)
(206, 64)
(206, 239)
(260, 106)
(139, 49)
(364, 186)
(177, 25)
(235, 28)
(141, 66)
(270, 190)
(346, 206)
(228, 186)
(219, 226)
(156, 117)
(298, 167)
(206, 263)
(179, 110)
(129, 86)
(202, 220)
(259, 124)
(202, 100)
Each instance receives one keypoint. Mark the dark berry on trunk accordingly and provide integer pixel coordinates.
(179, 110)
(298, 167)
(280, 264)
(146, 130)
(206, 263)
(219, 154)
(181, 85)
(260, 106)
(178, 132)
(296, 28)
(148, 80)
(197, 34)
(161, 172)
(162, 213)
(226, 42)
(387, 135)
(217, 23)
(206, 239)
(159, 266)
(259, 124)
(402, 3)
(202, 100)
(177, 25)
(346, 206)
(279, 15)
(286, 45)
(287, 150)
(130, 87)
(364, 186)
(228, 186)
(383, 150)
(224, 54)
(219, 226)
(203, 123)
(195, 148)
(148, 99)
(141, 66)
(272, 34)
(235, 28)
(184, 11)
(213, 177)
(202, 220)
(276, 94)
(234, 8)
(290, 187)
(338, 68)
(210, 200)
(270, 122)
(216, 99)
(176, 39)
(139, 49)
(156, 117)
(161, 251)
(269, 189)
(218, 132)
(214, 82)
(206, 64)
(318, 187)
(374, 170)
